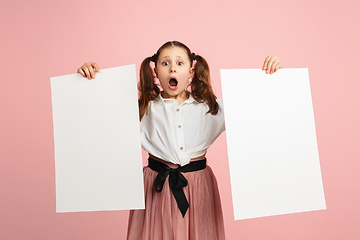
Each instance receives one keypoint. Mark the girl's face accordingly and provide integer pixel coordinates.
(174, 71)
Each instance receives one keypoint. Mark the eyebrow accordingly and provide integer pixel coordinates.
(175, 56)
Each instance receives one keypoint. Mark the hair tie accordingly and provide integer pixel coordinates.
(153, 58)
(193, 56)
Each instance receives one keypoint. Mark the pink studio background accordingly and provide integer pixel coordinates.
(42, 39)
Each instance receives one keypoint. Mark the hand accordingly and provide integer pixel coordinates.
(87, 70)
(272, 64)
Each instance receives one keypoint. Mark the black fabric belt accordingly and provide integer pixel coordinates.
(176, 180)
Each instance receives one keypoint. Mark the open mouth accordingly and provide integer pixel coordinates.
(173, 83)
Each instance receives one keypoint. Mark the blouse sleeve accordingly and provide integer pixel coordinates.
(221, 117)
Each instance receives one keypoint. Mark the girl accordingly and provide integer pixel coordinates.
(177, 128)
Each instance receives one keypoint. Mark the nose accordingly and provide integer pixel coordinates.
(172, 68)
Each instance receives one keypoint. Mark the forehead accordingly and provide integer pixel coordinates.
(173, 51)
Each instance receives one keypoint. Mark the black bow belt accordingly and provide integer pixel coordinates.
(176, 180)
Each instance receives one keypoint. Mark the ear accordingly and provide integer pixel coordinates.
(155, 70)
(191, 72)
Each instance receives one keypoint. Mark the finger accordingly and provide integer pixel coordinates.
(91, 70)
(81, 72)
(277, 66)
(86, 71)
(94, 65)
(271, 64)
(266, 62)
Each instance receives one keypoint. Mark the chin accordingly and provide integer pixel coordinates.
(173, 94)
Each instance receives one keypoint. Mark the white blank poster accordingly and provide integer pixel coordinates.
(271, 138)
(98, 163)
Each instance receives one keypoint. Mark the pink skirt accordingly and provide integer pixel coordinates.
(162, 220)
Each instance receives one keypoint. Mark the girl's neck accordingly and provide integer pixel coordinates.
(180, 98)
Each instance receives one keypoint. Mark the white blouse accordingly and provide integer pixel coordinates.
(177, 133)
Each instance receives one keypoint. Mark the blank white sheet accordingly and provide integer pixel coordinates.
(271, 140)
(98, 163)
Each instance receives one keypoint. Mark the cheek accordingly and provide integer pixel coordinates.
(185, 77)
(161, 76)
(163, 81)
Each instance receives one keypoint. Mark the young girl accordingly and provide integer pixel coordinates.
(178, 125)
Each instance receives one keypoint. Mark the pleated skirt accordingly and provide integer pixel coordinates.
(162, 220)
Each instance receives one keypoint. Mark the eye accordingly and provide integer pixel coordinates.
(179, 63)
(165, 63)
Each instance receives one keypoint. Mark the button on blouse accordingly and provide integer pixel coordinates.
(177, 133)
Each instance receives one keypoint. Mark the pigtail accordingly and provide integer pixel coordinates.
(148, 90)
(200, 85)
